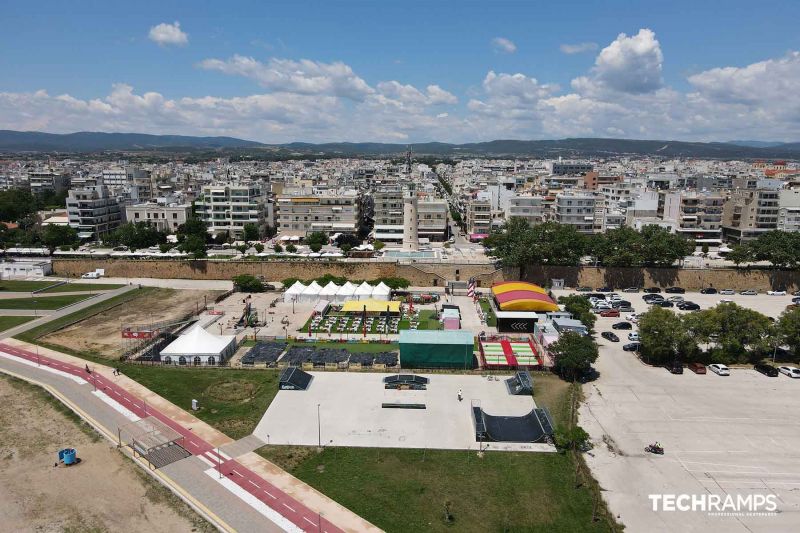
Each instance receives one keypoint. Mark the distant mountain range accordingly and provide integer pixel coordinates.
(87, 142)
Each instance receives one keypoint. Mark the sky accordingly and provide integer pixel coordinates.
(411, 71)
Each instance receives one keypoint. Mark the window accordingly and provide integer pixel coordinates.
(212, 361)
(181, 360)
(174, 215)
(197, 360)
(168, 360)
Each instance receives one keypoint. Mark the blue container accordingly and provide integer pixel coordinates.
(68, 456)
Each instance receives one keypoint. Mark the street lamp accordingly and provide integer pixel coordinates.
(319, 429)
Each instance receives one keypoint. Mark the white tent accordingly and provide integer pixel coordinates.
(199, 347)
(345, 292)
(311, 294)
(293, 293)
(381, 291)
(363, 292)
(329, 291)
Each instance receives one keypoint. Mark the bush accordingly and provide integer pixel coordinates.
(165, 247)
(278, 248)
(378, 245)
(315, 247)
(291, 248)
(259, 247)
(574, 438)
(247, 283)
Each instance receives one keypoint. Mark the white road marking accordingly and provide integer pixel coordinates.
(116, 406)
(237, 473)
(270, 495)
(292, 510)
(46, 368)
(307, 519)
(225, 455)
(206, 461)
(252, 483)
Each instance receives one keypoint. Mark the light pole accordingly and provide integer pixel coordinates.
(319, 429)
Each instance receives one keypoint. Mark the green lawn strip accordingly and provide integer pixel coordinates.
(14, 285)
(43, 302)
(232, 401)
(87, 287)
(8, 322)
(486, 307)
(354, 347)
(409, 489)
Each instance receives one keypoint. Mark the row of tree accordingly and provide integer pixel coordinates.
(781, 248)
(519, 244)
(726, 334)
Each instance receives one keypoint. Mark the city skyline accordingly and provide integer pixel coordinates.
(411, 72)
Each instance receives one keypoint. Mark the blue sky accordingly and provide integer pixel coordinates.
(358, 71)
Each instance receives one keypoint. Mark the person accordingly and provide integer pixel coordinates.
(87, 370)
(460, 395)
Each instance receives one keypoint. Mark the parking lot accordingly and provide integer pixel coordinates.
(733, 435)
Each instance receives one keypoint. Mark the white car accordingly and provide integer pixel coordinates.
(675, 299)
(634, 337)
(791, 371)
(776, 293)
(602, 306)
(633, 317)
(720, 369)
(725, 301)
(727, 292)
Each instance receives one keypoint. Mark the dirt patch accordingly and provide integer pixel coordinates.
(232, 391)
(100, 335)
(104, 492)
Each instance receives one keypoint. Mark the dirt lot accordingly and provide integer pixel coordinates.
(100, 335)
(104, 492)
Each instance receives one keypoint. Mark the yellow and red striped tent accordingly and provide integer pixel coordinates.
(521, 296)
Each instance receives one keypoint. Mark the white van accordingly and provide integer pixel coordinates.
(91, 275)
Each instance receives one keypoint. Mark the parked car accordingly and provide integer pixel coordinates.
(776, 293)
(697, 368)
(689, 306)
(791, 371)
(675, 299)
(604, 289)
(766, 369)
(632, 346)
(584, 289)
(664, 303)
(749, 292)
(634, 336)
(616, 304)
(675, 290)
(610, 313)
(675, 367)
(652, 290)
(601, 306)
(720, 369)
(727, 292)
(708, 290)
(796, 293)
(631, 289)
(633, 317)
(622, 325)
(650, 298)
(610, 336)
(725, 301)
(796, 300)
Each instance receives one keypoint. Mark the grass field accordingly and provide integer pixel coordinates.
(354, 347)
(13, 285)
(486, 307)
(409, 490)
(87, 287)
(233, 401)
(8, 322)
(44, 302)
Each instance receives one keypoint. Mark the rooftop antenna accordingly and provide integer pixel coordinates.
(408, 160)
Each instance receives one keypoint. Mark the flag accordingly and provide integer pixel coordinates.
(471, 288)
(364, 320)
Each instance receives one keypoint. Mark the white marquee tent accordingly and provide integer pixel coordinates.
(311, 293)
(381, 292)
(199, 347)
(363, 292)
(293, 293)
(329, 291)
(345, 292)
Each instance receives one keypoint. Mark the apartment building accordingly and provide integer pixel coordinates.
(46, 180)
(748, 213)
(387, 208)
(583, 210)
(697, 214)
(165, 217)
(594, 180)
(303, 212)
(561, 168)
(228, 207)
(478, 217)
(789, 210)
(92, 211)
(531, 208)
(432, 218)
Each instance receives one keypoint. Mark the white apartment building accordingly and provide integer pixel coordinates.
(583, 210)
(228, 207)
(697, 215)
(432, 217)
(40, 181)
(307, 211)
(531, 208)
(479, 215)
(789, 210)
(92, 211)
(165, 217)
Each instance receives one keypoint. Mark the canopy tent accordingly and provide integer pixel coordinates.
(381, 291)
(329, 291)
(311, 293)
(520, 296)
(345, 292)
(198, 346)
(293, 293)
(363, 292)
(373, 306)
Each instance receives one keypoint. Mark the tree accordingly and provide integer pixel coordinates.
(16, 204)
(242, 248)
(580, 308)
(165, 247)
(738, 333)
(573, 352)
(345, 248)
(664, 336)
(192, 226)
(195, 245)
(741, 253)
(348, 239)
(789, 330)
(315, 247)
(291, 248)
(661, 248)
(704, 248)
(621, 247)
(250, 232)
(781, 248)
(54, 236)
(136, 235)
(574, 438)
(378, 245)
(278, 248)
(259, 247)
(247, 283)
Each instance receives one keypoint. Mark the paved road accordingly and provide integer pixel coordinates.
(78, 386)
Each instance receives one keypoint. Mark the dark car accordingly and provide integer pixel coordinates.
(610, 336)
(587, 374)
(604, 289)
(767, 370)
(697, 368)
(630, 289)
(648, 298)
(664, 303)
(689, 306)
(622, 325)
(584, 289)
(632, 346)
(796, 293)
(617, 304)
(708, 290)
(652, 290)
(675, 367)
(675, 290)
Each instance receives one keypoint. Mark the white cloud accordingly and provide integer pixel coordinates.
(168, 34)
(578, 48)
(503, 45)
(629, 65)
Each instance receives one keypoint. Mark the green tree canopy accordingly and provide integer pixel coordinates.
(580, 308)
(316, 237)
(54, 236)
(781, 248)
(737, 333)
(573, 352)
(136, 236)
(247, 283)
(664, 336)
(789, 330)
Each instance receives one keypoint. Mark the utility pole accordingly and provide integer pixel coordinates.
(319, 428)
